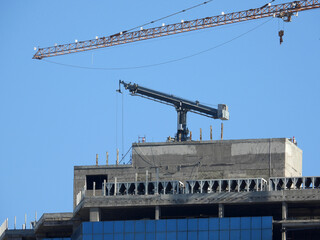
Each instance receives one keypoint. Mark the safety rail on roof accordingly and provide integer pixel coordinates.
(200, 186)
(142, 188)
(226, 185)
(293, 183)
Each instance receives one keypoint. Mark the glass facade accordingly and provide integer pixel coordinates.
(244, 228)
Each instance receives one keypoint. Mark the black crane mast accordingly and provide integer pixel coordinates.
(181, 105)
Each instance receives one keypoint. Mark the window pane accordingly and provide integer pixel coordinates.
(140, 226)
(203, 235)
(192, 224)
(246, 223)
(150, 226)
(214, 224)
(235, 223)
(97, 227)
(266, 222)
(87, 227)
(171, 225)
(161, 225)
(108, 227)
(203, 224)
(119, 226)
(256, 223)
(182, 235)
(182, 225)
(224, 223)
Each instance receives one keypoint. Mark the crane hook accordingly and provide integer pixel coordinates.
(281, 33)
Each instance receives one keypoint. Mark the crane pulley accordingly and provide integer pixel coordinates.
(181, 105)
(284, 11)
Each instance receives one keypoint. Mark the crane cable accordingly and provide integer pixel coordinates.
(161, 63)
(170, 15)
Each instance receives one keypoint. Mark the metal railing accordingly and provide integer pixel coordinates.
(293, 183)
(201, 186)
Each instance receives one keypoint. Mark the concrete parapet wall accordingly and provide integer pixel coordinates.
(182, 161)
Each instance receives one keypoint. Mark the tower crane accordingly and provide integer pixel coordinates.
(181, 105)
(284, 11)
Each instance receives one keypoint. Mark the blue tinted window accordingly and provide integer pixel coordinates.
(97, 237)
(192, 224)
(87, 237)
(108, 227)
(97, 227)
(245, 223)
(171, 225)
(267, 234)
(256, 223)
(182, 235)
(140, 226)
(193, 235)
(224, 223)
(161, 225)
(171, 235)
(161, 236)
(129, 236)
(182, 224)
(87, 227)
(108, 236)
(150, 226)
(214, 235)
(140, 236)
(129, 226)
(203, 224)
(266, 222)
(118, 236)
(214, 224)
(235, 235)
(256, 234)
(224, 235)
(150, 236)
(119, 226)
(246, 234)
(235, 223)
(203, 235)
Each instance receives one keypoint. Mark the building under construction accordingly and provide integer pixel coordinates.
(182, 189)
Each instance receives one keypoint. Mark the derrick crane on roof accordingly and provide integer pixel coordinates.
(181, 105)
(284, 11)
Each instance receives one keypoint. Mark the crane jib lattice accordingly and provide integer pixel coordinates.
(284, 11)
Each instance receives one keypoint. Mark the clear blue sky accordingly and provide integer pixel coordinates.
(54, 117)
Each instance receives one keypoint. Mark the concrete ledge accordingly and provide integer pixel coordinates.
(195, 199)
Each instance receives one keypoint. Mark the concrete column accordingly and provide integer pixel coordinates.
(284, 210)
(157, 213)
(147, 180)
(115, 187)
(136, 184)
(104, 187)
(95, 215)
(221, 210)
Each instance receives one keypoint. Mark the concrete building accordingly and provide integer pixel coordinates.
(230, 189)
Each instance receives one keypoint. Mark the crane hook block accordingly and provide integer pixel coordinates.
(281, 33)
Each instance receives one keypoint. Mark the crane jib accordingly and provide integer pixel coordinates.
(181, 105)
(284, 11)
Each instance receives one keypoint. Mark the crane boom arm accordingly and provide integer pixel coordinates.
(281, 10)
(179, 103)
(182, 106)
